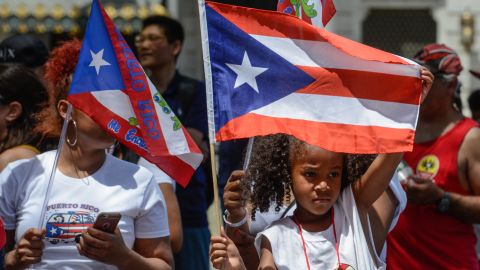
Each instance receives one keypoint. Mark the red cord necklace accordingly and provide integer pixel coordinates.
(305, 245)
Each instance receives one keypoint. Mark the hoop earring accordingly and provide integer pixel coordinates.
(72, 144)
(112, 148)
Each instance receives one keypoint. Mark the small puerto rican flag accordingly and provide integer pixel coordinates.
(316, 12)
(111, 87)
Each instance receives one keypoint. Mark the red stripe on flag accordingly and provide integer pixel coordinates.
(276, 24)
(363, 84)
(335, 137)
(328, 11)
(171, 165)
(141, 98)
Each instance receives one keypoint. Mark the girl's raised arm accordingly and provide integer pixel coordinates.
(375, 181)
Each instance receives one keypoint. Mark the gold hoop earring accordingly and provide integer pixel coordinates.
(70, 142)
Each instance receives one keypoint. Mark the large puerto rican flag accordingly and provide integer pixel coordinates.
(111, 87)
(316, 12)
(269, 72)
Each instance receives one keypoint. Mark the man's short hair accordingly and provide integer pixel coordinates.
(173, 29)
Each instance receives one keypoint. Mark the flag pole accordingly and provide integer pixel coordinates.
(210, 108)
(216, 195)
(61, 142)
(248, 155)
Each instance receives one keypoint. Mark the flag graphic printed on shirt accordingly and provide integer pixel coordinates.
(269, 72)
(110, 86)
(316, 12)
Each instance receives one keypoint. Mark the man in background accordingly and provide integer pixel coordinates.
(436, 229)
(158, 45)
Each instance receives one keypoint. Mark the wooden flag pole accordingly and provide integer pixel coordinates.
(218, 216)
(210, 108)
(51, 178)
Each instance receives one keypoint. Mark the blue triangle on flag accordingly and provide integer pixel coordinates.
(96, 39)
(228, 45)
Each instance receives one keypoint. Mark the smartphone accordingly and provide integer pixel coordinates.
(107, 221)
(403, 172)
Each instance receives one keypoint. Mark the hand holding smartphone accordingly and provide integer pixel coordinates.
(107, 221)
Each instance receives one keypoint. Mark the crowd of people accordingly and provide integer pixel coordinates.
(296, 206)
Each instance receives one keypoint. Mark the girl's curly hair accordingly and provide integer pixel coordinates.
(58, 69)
(269, 173)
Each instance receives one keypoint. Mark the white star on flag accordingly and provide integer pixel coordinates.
(53, 231)
(97, 60)
(246, 73)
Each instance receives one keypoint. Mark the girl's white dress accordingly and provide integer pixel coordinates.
(287, 248)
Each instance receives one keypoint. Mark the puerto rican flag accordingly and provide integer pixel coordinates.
(111, 87)
(269, 72)
(66, 230)
(316, 12)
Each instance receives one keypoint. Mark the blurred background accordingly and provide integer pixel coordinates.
(397, 26)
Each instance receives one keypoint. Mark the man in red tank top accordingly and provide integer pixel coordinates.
(436, 229)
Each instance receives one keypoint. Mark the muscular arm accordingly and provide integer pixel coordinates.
(467, 208)
(174, 220)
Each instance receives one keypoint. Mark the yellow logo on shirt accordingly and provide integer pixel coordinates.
(428, 166)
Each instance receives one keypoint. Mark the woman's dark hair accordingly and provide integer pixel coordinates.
(20, 84)
(269, 172)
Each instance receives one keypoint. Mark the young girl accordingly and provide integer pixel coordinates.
(343, 212)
